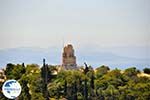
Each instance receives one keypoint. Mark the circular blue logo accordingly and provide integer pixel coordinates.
(11, 89)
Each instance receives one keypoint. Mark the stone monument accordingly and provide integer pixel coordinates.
(68, 58)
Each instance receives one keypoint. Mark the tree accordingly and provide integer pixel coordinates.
(34, 81)
(111, 93)
(25, 95)
(14, 71)
(91, 76)
(44, 76)
(130, 72)
(88, 84)
(8, 71)
(102, 70)
(146, 70)
(85, 83)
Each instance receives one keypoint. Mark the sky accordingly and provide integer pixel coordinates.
(121, 27)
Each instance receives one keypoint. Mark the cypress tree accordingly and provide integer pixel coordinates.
(44, 74)
(85, 83)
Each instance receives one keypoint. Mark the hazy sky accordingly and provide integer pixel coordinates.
(99, 23)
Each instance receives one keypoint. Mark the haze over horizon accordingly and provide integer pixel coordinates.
(121, 28)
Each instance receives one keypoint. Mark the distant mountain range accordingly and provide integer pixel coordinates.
(53, 56)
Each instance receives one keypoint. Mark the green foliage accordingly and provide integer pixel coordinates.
(25, 89)
(100, 71)
(130, 72)
(35, 85)
(146, 70)
(14, 71)
(37, 96)
(83, 84)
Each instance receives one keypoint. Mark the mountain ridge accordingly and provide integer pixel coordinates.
(53, 55)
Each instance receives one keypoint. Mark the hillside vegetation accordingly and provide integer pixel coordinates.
(50, 83)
